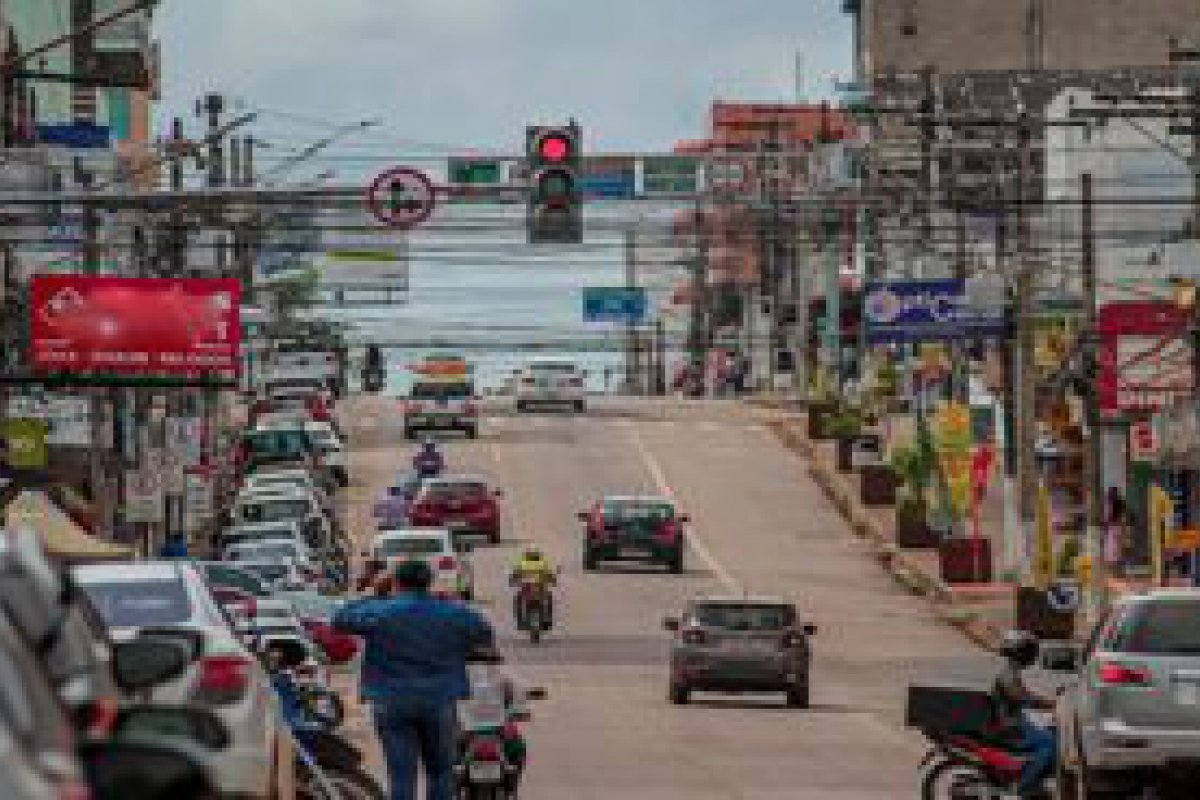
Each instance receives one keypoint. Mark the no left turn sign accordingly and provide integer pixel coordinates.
(401, 198)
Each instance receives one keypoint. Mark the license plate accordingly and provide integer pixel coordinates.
(487, 772)
(1187, 694)
(457, 525)
(632, 551)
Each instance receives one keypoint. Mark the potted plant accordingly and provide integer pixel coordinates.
(844, 427)
(912, 469)
(822, 404)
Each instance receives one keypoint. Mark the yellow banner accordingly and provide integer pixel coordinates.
(1162, 509)
(1043, 541)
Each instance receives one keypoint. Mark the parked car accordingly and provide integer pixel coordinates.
(249, 533)
(285, 505)
(220, 573)
(282, 551)
(625, 527)
(1131, 715)
(740, 645)
(277, 448)
(171, 599)
(453, 572)
(550, 383)
(331, 448)
(315, 612)
(464, 504)
(441, 405)
(291, 479)
(277, 575)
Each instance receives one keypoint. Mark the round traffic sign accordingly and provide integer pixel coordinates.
(1063, 596)
(401, 197)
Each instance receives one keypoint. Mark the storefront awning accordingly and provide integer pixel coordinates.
(63, 539)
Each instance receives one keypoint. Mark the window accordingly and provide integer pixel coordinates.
(455, 491)
(1165, 626)
(411, 546)
(745, 616)
(637, 511)
(442, 391)
(137, 604)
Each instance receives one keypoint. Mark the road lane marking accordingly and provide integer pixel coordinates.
(697, 544)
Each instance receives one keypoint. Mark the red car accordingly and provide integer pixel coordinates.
(461, 504)
(634, 528)
(315, 612)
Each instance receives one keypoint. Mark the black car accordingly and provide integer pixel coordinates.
(629, 528)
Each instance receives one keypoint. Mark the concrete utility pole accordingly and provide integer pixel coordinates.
(1094, 594)
(1026, 376)
(631, 338)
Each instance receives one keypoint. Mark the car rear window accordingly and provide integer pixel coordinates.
(273, 510)
(745, 616)
(637, 511)
(442, 391)
(410, 546)
(268, 572)
(263, 552)
(558, 368)
(221, 575)
(455, 491)
(273, 444)
(1162, 627)
(136, 604)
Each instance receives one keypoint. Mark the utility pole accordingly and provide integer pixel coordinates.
(699, 321)
(1026, 377)
(1093, 453)
(631, 343)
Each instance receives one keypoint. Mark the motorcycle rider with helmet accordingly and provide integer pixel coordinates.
(428, 462)
(533, 566)
(1013, 699)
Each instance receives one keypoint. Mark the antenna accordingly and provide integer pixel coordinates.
(799, 77)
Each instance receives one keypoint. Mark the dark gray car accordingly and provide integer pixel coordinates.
(740, 645)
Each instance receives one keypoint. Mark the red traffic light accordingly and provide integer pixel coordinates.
(555, 148)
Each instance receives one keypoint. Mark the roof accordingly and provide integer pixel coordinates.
(747, 599)
(130, 571)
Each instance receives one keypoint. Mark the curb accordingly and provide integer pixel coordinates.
(904, 570)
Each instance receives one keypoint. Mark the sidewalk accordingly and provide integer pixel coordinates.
(981, 611)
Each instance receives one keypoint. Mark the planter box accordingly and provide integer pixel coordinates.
(845, 453)
(1036, 615)
(965, 560)
(913, 531)
(877, 485)
(818, 413)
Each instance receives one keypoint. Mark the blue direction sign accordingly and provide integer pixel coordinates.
(615, 304)
(921, 311)
(616, 186)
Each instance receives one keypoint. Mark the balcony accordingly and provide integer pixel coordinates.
(125, 54)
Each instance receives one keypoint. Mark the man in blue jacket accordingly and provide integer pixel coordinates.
(413, 674)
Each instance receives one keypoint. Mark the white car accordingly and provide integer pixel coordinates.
(274, 615)
(285, 530)
(276, 575)
(275, 550)
(224, 677)
(285, 478)
(285, 505)
(332, 449)
(550, 383)
(452, 569)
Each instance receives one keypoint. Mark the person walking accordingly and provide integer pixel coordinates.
(1116, 521)
(413, 675)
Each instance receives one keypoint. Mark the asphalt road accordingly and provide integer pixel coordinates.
(759, 525)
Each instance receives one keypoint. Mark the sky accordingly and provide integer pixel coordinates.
(456, 75)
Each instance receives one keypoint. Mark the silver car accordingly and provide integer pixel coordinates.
(1131, 715)
(740, 645)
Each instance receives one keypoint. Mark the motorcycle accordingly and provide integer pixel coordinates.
(959, 766)
(491, 747)
(327, 766)
(532, 606)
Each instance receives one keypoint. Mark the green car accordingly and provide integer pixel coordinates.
(634, 528)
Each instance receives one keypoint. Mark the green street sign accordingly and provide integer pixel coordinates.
(476, 172)
(25, 443)
(670, 174)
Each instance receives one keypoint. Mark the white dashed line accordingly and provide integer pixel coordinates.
(697, 544)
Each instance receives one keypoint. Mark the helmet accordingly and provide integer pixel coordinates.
(1019, 647)
(428, 444)
(533, 554)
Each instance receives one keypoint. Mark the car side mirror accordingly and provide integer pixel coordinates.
(142, 664)
(196, 725)
(520, 716)
(1062, 658)
(583, 516)
(809, 629)
(685, 518)
(156, 768)
(671, 624)
(498, 493)
(536, 693)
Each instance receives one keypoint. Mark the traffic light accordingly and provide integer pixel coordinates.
(555, 213)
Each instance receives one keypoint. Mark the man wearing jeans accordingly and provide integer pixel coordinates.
(414, 673)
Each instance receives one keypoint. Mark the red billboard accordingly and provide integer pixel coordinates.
(1145, 359)
(138, 326)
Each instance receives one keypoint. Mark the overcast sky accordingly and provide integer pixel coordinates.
(638, 74)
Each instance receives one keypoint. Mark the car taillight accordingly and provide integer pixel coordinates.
(413, 406)
(693, 636)
(510, 732)
(222, 679)
(1114, 673)
(485, 750)
(667, 533)
(445, 563)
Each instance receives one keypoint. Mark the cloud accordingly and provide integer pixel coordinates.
(639, 74)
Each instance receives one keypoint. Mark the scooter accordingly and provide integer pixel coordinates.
(969, 767)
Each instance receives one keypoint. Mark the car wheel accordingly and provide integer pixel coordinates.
(589, 561)
(494, 537)
(797, 696)
(1065, 787)
(580, 406)
(1086, 787)
(680, 694)
(409, 433)
(521, 407)
(473, 432)
(675, 565)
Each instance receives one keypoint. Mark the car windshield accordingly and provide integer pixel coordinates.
(137, 604)
(455, 491)
(273, 510)
(263, 552)
(442, 391)
(268, 572)
(1159, 627)
(411, 546)
(222, 575)
(276, 443)
(745, 616)
(637, 511)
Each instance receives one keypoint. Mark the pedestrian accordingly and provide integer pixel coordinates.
(1116, 526)
(414, 673)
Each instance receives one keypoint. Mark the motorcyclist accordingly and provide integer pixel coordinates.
(428, 462)
(533, 566)
(1013, 699)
